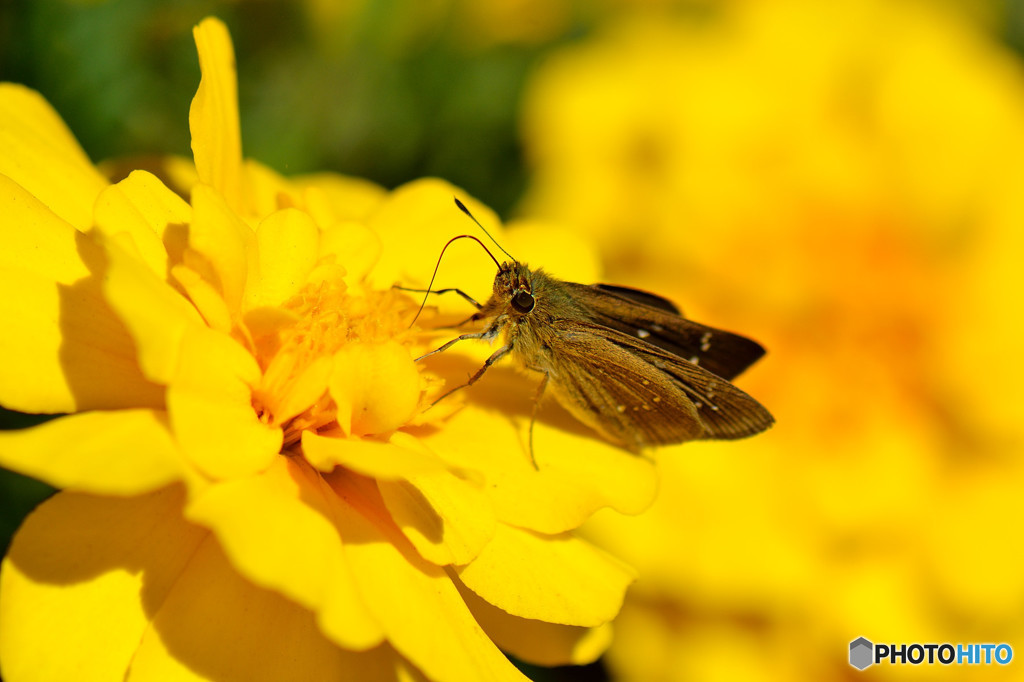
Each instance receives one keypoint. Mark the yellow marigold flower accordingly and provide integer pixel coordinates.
(843, 180)
(252, 487)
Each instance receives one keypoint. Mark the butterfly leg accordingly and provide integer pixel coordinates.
(460, 292)
(533, 416)
(495, 356)
(487, 335)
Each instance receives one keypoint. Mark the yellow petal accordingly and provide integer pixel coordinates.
(385, 461)
(65, 349)
(414, 223)
(276, 531)
(210, 405)
(265, 322)
(156, 315)
(84, 576)
(213, 117)
(376, 387)
(535, 641)
(578, 474)
(421, 611)
(579, 584)
(38, 240)
(266, 190)
(349, 198)
(288, 243)
(39, 153)
(141, 206)
(217, 626)
(220, 245)
(354, 246)
(205, 297)
(177, 172)
(123, 588)
(600, 474)
(447, 519)
(559, 251)
(287, 391)
(126, 452)
(180, 174)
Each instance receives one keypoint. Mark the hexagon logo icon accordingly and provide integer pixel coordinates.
(861, 653)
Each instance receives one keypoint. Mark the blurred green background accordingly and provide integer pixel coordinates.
(389, 90)
(472, 91)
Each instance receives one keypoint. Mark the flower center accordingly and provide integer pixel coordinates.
(301, 345)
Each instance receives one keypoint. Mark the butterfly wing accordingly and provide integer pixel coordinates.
(638, 395)
(656, 321)
(725, 411)
(639, 296)
(615, 393)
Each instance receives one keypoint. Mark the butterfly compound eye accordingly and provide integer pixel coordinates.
(523, 301)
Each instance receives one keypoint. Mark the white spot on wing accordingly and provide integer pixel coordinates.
(705, 342)
(642, 333)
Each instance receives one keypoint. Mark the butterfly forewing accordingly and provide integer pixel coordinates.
(639, 296)
(720, 352)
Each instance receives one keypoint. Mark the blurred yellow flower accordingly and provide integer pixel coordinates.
(252, 488)
(842, 181)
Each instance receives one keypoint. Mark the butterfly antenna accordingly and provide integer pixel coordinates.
(462, 207)
(433, 276)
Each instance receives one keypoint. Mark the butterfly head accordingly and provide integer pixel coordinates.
(514, 284)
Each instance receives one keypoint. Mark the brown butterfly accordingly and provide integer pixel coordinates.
(623, 361)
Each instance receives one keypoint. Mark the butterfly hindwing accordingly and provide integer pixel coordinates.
(613, 390)
(637, 395)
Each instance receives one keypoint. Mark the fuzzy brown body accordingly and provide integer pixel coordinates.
(623, 361)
